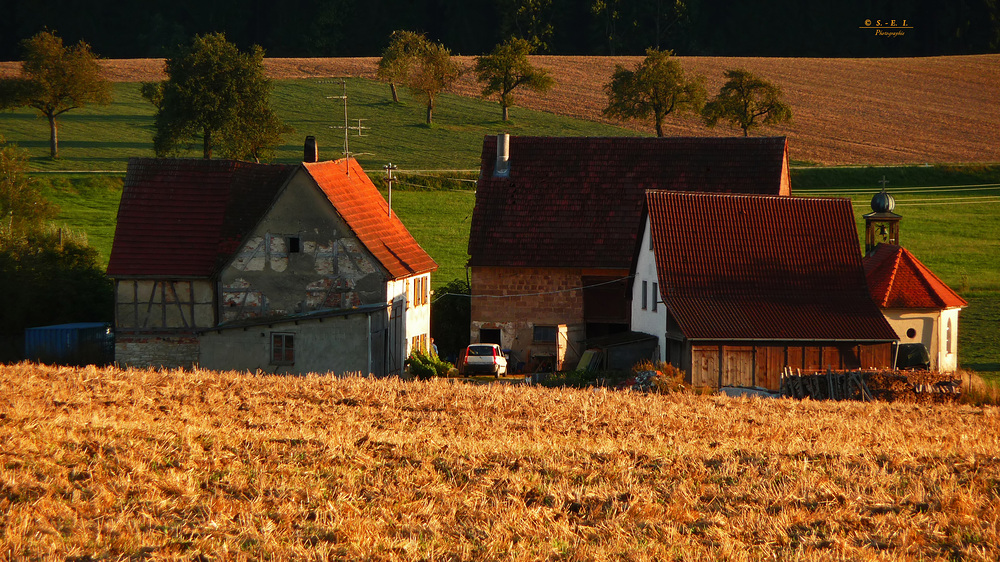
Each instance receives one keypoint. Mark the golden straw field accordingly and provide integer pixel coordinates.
(133, 464)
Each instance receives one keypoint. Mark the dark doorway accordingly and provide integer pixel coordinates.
(489, 336)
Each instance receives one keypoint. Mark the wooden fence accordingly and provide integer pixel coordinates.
(916, 386)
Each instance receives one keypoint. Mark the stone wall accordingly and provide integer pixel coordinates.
(559, 303)
(515, 300)
(167, 352)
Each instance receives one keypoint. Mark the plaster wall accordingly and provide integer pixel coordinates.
(647, 320)
(338, 345)
(301, 257)
(929, 327)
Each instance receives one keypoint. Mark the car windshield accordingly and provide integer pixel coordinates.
(480, 350)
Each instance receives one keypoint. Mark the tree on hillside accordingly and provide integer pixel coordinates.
(747, 101)
(218, 94)
(55, 79)
(657, 87)
(22, 207)
(433, 71)
(399, 58)
(508, 68)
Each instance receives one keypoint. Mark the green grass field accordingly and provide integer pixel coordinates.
(103, 138)
(953, 230)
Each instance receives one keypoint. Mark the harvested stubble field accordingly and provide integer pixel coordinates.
(845, 111)
(112, 464)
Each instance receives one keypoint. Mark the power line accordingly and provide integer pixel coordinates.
(920, 189)
(929, 203)
(533, 294)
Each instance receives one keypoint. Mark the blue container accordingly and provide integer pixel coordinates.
(83, 343)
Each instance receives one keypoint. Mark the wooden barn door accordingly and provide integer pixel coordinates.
(705, 366)
(737, 366)
(396, 337)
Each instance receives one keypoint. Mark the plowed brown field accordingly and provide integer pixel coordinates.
(846, 111)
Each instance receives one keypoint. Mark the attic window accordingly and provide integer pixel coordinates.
(294, 245)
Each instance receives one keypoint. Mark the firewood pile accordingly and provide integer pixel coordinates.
(902, 386)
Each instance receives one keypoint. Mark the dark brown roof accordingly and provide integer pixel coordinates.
(185, 218)
(366, 212)
(746, 267)
(897, 279)
(577, 202)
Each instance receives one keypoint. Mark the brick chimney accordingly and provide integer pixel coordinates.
(502, 167)
(310, 151)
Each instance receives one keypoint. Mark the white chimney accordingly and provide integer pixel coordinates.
(502, 168)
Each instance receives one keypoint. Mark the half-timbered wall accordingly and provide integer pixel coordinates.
(164, 305)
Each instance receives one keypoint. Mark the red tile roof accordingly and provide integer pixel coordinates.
(185, 218)
(364, 209)
(745, 267)
(577, 202)
(897, 279)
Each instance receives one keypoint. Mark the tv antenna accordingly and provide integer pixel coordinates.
(347, 127)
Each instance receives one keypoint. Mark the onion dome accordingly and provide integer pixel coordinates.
(882, 202)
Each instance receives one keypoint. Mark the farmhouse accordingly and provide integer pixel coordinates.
(555, 226)
(281, 268)
(920, 307)
(738, 287)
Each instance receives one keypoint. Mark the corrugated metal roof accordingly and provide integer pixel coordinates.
(184, 218)
(746, 267)
(366, 212)
(897, 279)
(577, 202)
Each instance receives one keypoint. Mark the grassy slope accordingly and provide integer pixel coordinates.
(103, 138)
(202, 465)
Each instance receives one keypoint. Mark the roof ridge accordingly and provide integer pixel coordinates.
(929, 279)
(892, 278)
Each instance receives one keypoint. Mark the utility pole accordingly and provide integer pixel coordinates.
(388, 170)
(347, 151)
(347, 127)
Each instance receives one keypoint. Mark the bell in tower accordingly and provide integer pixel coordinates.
(881, 225)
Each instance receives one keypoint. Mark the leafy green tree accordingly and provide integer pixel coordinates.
(747, 101)
(433, 71)
(506, 69)
(218, 94)
(530, 20)
(610, 12)
(451, 316)
(22, 207)
(657, 87)
(55, 79)
(399, 58)
(46, 275)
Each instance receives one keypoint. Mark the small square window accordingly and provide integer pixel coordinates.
(282, 349)
(294, 245)
(545, 334)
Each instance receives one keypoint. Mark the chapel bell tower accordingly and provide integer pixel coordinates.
(881, 225)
